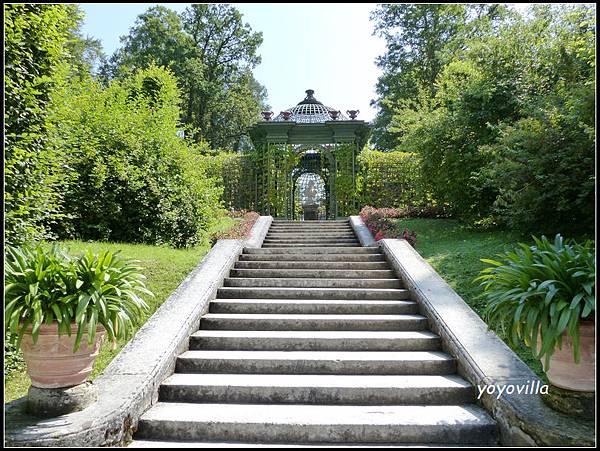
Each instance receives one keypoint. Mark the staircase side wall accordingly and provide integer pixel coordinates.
(483, 358)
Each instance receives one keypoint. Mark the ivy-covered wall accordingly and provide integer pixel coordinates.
(380, 179)
(391, 179)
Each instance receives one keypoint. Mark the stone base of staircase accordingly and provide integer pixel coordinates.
(426, 346)
(313, 339)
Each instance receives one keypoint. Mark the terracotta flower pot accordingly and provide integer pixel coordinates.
(564, 372)
(51, 362)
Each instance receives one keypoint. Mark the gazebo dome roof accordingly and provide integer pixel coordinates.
(311, 111)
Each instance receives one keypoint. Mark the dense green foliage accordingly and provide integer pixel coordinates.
(104, 160)
(541, 291)
(36, 38)
(505, 130)
(235, 174)
(420, 39)
(134, 179)
(391, 179)
(211, 52)
(45, 286)
(383, 179)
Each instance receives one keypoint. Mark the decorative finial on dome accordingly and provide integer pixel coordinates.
(309, 99)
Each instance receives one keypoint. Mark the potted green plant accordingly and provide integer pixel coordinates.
(59, 308)
(543, 295)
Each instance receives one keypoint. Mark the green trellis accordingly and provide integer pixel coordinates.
(279, 158)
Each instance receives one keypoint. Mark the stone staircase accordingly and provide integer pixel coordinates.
(313, 340)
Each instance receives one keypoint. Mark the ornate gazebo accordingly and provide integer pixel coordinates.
(305, 161)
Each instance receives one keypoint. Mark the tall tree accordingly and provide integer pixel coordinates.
(508, 137)
(212, 53)
(227, 50)
(420, 38)
(86, 54)
(156, 37)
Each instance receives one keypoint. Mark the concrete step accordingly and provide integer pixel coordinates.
(335, 245)
(316, 243)
(312, 240)
(324, 265)
(465, 424)
(326, 228)
(320, 258)
(330, 228)
(316, 389)
(310, 235)
(267, 340)
(272, 321)
(229, 444)
(316, 362)
(330, 250)
(314, 273)
(316, 232)
(312, 293)
(320, 221)
(301, 234)
(307, 306)
(255, 282)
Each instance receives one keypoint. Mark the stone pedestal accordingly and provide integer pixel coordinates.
(310, 212)
(574, 403)
(53, 402)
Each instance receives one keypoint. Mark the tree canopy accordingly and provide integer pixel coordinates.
(212, 53)
(499, 106)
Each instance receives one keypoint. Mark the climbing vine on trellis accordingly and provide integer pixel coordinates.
(237, 175)
(345, 179)
(382, 179)
(391, 179)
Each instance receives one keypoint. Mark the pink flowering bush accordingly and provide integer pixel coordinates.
(380, 223)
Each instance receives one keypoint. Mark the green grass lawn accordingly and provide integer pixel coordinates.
(454, 252)
(164, 267)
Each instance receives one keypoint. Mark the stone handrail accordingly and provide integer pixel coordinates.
(362, 232)
(259, 231)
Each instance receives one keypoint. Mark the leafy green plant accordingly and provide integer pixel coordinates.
(43, 286)
(36, 39)
(544, 289)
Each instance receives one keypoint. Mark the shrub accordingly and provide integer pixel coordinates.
(542, 289)
(543, 170)
(43, 286)
(391, 178)
(507, 135)
(135, 180)
(380, 222)
(36, 38)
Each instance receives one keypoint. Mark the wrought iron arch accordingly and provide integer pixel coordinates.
(331, 141)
